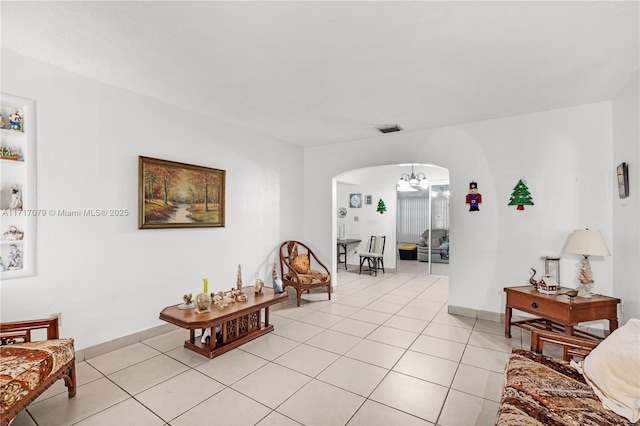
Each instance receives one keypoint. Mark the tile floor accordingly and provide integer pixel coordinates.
(383, 351)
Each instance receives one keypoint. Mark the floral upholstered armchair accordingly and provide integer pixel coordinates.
(302, 270)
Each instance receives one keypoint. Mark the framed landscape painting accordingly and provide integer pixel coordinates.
(178, 195)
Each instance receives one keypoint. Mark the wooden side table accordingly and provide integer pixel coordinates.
(558, 313)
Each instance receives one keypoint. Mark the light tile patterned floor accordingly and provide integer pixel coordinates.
(383, 351)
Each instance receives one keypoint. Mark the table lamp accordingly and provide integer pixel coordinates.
(587, 243)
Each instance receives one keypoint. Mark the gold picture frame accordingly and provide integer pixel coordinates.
(179, 195)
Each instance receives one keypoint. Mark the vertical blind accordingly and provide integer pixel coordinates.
(413, 218)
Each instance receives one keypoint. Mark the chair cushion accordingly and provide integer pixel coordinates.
(613, 370)
(313, 277)
(301, 264)
(24, 366)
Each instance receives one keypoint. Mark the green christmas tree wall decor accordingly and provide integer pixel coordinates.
(521, 196)
(381, 207)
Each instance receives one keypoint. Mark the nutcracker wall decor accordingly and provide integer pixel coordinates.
(473, 197)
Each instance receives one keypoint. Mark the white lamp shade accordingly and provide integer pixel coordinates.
(587, 243)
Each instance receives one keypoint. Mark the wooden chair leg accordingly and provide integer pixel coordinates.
(70, 381)
(361, 263)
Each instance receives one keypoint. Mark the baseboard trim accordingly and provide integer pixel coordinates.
(121, 342)
(476, 313)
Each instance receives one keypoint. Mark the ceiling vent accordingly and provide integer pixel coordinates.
(390, 128)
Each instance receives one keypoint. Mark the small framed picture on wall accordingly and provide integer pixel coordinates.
(355, 201)
(367, 199)
(623, 180)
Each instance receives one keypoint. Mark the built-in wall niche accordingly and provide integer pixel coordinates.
(18, 210)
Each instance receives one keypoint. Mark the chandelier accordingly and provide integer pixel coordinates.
(412, 182)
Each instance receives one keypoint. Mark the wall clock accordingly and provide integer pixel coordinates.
(342, 212)
(623, 180)
(355, 201)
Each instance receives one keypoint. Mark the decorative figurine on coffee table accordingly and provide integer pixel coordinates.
(203, 300)
(277, 282)
(188, 302)
(258, 285)
(239, 279)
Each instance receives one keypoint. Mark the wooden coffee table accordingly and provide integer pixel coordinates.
(558, 313)
(240, 322)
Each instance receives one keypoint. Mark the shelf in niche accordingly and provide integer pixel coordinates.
(21, 170)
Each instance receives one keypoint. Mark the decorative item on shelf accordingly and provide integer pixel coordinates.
(16, 119)
(412, 182)
(203, 300)
(13, 234)
(355, 201)
(623, 180)
(548, 284)
(15, 258)
(1, 122)
(381, 207)
(188, 302)
(520, 196)
(258, 285)
(16, 197)
(277, 282)
(10, 153)
(473, 198)
(587, 243)
(532, 279)
(239, 278)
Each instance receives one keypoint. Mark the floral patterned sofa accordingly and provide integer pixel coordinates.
(27, 368)
(601, 390)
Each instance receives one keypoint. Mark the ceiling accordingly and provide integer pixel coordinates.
(313, 73)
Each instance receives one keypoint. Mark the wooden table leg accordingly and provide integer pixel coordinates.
(266, 316)
(613, 324)
(507, 321)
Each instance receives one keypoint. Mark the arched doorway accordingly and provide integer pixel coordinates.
(358, 221)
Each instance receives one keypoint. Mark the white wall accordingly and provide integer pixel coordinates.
(108, 278)
(626, 212)
(564, 155)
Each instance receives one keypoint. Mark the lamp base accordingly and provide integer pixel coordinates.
(584, 290)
